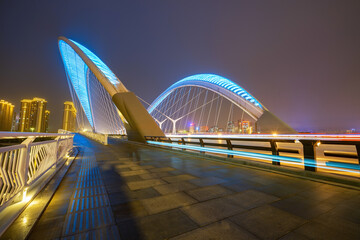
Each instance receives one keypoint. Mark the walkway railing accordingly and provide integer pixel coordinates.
(25, 157)
(338, 154)
(99, 137)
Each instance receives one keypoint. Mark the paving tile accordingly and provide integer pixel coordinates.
(335, 221)
(202, 182)
(174, 187)
(163, 169)
(129, 210)
(251, 198)
(133, 173)
(210, 192)
(348, 212)
(127, 196)
(223, 230)
(279, 190)
(120, 166)
(167, 202)
(302, 207)
(141, 167)
(294, 236)
(144, 184)
(159, 226)
(49, 228)
(147, 176)
(178, 178)
(237, 186)
(314, 230)
(155, 175)
(211, 211)
(268, 222)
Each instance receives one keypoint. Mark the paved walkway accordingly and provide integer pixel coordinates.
(127, 191)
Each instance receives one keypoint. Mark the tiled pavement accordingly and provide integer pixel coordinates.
(154, 194)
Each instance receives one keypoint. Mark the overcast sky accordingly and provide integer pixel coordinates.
(301, 59)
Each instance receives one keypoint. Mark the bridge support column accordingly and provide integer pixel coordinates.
(309, 154)
(138, 123)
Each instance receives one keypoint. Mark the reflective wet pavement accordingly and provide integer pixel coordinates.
(130, 191)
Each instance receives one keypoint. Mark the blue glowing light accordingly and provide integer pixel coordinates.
(270, 158)
(212, 79)
(105, 70)
(76, 71)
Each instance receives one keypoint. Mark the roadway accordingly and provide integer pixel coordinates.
(131, 191)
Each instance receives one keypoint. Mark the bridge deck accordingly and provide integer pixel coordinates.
(135, 192)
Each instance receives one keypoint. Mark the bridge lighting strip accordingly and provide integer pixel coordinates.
(270, 136)
(253, 155)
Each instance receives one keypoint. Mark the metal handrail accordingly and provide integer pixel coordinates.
(22, 164)
(231, 143)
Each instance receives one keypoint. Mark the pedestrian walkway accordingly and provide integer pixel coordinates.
(131, 191)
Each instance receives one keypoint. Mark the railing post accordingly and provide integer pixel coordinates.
(358, 152)
(202, 144)
(309, 154)
(229, 146)
(274, 152)
(26, 158)
(183, 142)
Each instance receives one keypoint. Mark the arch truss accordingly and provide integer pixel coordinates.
(211, 103)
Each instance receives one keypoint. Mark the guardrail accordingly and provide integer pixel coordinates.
(99, 137)
(25, 157)
(327, 153)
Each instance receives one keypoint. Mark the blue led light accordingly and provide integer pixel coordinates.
(76, 71)
(270, 158)
(105, 70)
(212, 79)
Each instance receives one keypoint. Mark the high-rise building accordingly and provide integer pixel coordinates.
(69, 117)
(6, 115)
(32, 115)
(46, 122)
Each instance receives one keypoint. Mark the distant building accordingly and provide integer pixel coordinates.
(69, 117)
(204, 128)
(32, 115)
(6, 115)
(230, 127)
(214, 129)
(192, 128)
(245, 127)
(46, 121)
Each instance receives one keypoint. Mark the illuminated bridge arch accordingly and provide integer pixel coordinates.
(104, 102)
(265, 120)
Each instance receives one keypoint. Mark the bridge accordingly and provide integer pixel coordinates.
(138, 170)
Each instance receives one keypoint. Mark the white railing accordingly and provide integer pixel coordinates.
(327, 153)
(101, 138)
(22, 164)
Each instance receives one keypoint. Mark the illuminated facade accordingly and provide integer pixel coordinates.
(69, 117)
(33, 115)
(6, 115)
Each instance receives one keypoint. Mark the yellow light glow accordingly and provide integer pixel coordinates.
(318, 143)
(25, 197)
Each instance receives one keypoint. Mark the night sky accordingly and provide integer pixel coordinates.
(301, 59)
